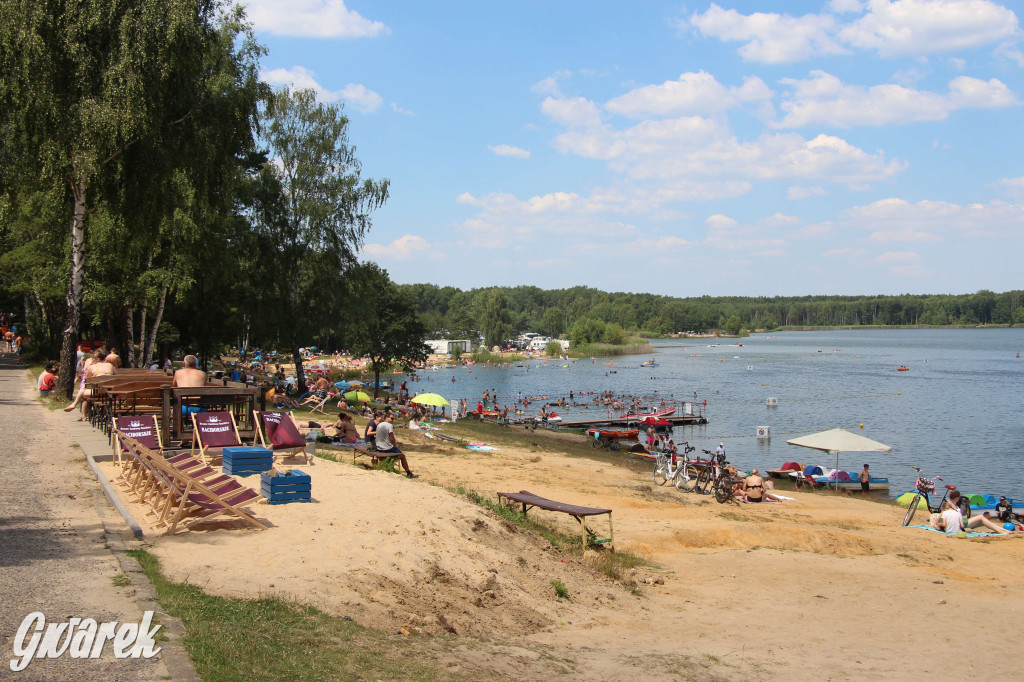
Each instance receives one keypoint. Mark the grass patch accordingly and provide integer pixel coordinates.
(561, 591)
(272, 639)
(636, 346)
(121, 580)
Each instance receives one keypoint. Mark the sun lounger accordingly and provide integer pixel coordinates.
(282, 435)
(212, 432)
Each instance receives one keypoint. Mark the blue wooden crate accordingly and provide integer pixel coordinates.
(243, 454)
(296, 486)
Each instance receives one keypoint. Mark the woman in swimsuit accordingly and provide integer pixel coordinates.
(96, 356)
(753, 487)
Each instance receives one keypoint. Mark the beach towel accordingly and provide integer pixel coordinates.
(961, 534)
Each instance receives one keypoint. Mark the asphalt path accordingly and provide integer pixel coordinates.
(54, 556)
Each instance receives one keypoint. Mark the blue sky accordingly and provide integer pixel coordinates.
(732, 148)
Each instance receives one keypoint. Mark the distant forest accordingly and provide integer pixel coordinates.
(585, 314)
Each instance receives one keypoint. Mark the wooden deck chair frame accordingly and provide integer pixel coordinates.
(204, 449)
(193, 497)
(263, 439)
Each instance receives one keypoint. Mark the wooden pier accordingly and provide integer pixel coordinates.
(633, 421)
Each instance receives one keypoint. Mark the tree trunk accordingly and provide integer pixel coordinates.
(151, 341)
(68, 358)
(300, 377)
(376, 380)
(129, 321)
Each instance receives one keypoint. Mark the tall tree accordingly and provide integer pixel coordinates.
(494, 317)
(386, 328)
(95, 91)
(311, 211)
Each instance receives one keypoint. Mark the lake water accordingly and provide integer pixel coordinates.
(957, 412)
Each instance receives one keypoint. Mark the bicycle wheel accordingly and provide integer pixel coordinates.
(614, 445)
(723, 492)
(595, 443)
(659, 475)
(910, 512)
(703, 482)
(684, 483)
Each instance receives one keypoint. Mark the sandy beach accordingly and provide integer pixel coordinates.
(820, 587)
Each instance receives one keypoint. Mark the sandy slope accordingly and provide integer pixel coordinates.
(822, 587)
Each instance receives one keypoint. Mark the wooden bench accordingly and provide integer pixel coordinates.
(529, 500)
(363, 451)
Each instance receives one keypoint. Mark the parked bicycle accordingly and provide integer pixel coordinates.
(669, 467)
(925, 487)
(713, 478)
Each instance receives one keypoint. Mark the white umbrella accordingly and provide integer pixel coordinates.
(839, 440)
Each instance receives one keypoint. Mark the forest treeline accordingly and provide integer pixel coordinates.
(588, 315)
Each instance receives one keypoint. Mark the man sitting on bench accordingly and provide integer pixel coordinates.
(387, 445)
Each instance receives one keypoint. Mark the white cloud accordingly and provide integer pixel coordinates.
(692, 93)
(759, 238)
(406, 247)
(797, 192)
(693, 146)
(824, 99)
(359, 96)
(399, 110)
(898, 257)
(898, 220)
(509, 150)
(1014, 187)
(771, 38)
(311, 19)
(909, 27)
(903, 27)
(575, 112)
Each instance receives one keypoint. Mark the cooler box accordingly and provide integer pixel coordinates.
(295, 486)
(247, 460)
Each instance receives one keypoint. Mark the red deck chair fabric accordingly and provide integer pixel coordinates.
(143, 428)
(217, 429)
(281, 430)
(283, 435)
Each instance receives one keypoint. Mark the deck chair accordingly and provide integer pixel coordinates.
(282, 435)
(212, 432)
(320, 403)
(143, 428)
(194, 498)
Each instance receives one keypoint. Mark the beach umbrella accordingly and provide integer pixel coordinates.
(431, 399)
(356, 395)
(839, 440)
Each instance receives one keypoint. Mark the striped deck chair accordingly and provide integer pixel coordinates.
(212, 432)
(282, 435)
(191, 498)
(143, 428)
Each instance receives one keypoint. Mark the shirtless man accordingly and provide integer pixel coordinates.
(190, 376)
(322, 384)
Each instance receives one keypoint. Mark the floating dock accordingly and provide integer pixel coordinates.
(632, 421)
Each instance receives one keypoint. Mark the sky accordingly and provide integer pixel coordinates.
(734, 149)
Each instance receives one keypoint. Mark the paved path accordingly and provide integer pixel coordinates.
(54, 554)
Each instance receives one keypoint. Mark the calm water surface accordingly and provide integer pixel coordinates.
(956, 413)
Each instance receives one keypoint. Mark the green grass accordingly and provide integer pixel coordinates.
(121, 580)
(561, 591)
(272, 639)
(636, 346)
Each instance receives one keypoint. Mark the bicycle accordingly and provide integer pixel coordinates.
(924, 487)
(713, 478)
(668, 468)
